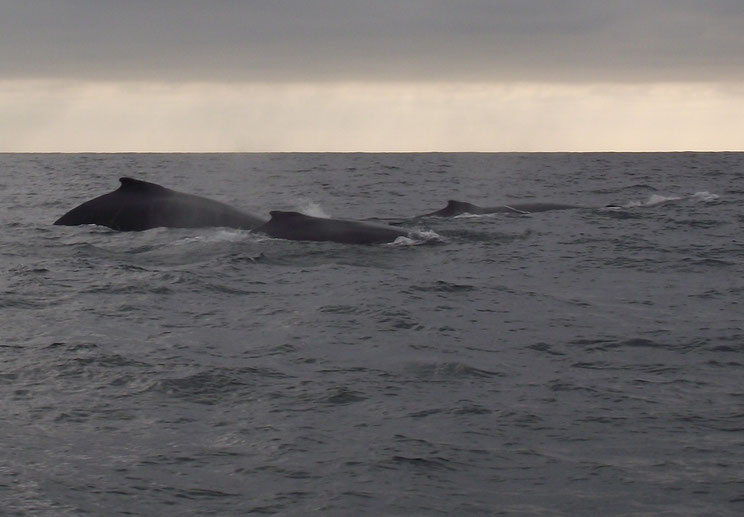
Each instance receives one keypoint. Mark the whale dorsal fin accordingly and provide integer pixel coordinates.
(278, 215)
(460, 205)
(133, 185)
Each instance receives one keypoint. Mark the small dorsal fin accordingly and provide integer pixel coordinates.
(131, 184)
(458, 204)
(281, 214)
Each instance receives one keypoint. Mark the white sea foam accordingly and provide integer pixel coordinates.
(704, 196)
(212, 236)
(417, 237)
(656, 199)
(467, 215)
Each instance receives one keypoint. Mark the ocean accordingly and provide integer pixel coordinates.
(575, 362)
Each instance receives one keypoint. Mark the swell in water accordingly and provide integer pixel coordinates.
(554, 363)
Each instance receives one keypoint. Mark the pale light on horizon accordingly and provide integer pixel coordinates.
(138, 116)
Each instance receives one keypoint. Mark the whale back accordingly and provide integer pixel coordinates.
(301, 227)
(454, 208)
(139, 205)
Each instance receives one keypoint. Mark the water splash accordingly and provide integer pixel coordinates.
(313, 209)
(418, 237)
(656, 199)
(704, 196)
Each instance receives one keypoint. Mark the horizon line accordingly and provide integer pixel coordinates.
(669, 151)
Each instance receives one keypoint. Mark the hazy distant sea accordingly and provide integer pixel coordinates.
(581, 362)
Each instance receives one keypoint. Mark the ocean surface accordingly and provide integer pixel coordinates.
(578, 362)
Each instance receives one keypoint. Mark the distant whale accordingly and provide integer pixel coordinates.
(138, 205)
(454, 208)
(300, 227)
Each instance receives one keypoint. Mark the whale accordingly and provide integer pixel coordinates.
(455, 208)
(139, 205)
(300, 227)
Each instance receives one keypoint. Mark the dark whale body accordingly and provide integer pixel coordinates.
(138, 205)
(454, 208)
(300, 227)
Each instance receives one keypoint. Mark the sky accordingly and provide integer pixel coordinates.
(382, 75)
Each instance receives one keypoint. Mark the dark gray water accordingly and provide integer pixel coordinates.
(581, 362)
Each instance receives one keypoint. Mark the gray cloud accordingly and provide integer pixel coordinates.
(302, 40)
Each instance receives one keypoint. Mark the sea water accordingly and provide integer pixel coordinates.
(576, 362)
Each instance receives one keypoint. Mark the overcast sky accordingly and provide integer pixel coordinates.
(352, 56)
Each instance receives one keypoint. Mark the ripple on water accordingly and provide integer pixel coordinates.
(542, 365)
(449, 371)
(213, 385)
